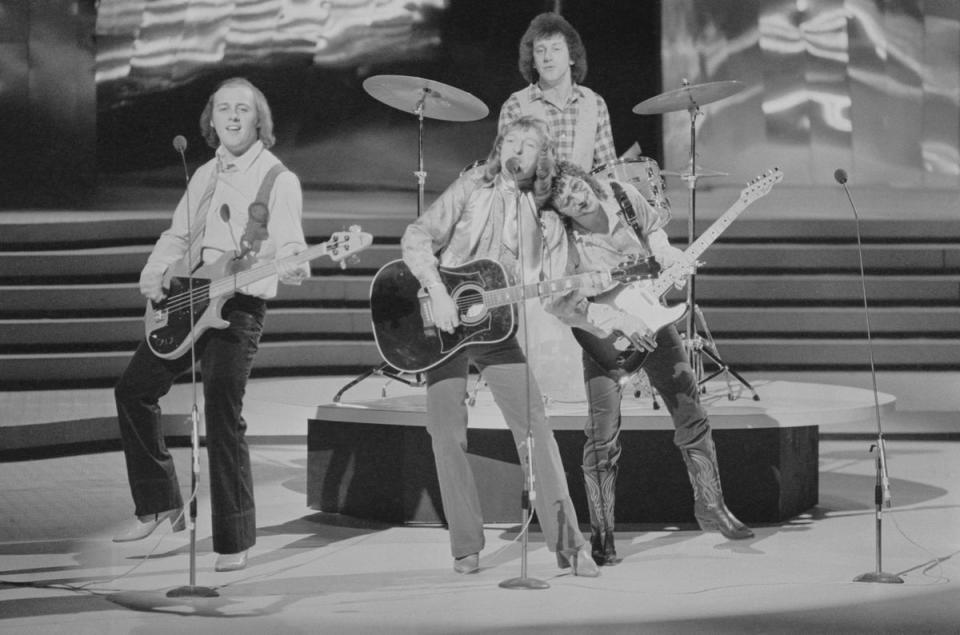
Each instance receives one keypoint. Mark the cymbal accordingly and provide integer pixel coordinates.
(688, 97)
(433, 99)
(701, 172)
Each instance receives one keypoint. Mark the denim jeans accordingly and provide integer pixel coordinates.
(226, 357)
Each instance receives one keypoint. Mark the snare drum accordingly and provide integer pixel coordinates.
(644, 174)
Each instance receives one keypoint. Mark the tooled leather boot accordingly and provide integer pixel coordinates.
(709, 508)
(601, 498)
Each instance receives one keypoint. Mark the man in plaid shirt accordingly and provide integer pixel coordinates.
(554, 61)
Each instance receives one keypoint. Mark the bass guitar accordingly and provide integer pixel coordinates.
(168, 325)
(614, 353)
(403, 325)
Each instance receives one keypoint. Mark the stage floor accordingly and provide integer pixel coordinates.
(312, 572)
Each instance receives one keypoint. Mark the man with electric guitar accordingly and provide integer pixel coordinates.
(241, 210)
(623, 329)
(492, 212)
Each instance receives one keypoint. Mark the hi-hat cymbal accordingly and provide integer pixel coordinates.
(433, 99)
(688, 97)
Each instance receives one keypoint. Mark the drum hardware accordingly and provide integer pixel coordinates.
(690, 97)
(423, 98)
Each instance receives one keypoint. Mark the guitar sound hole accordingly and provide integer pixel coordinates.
(469, 300)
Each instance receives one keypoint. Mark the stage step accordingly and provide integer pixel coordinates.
(776, 294)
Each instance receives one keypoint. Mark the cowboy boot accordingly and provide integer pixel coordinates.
(709, 508)
(601, 497)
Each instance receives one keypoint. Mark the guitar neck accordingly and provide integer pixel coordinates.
(231, 283)
(515, 294)
(674, 274)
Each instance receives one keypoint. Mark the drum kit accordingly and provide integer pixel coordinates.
(430, 99)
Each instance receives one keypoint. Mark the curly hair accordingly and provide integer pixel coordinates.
(546, 159)
(572, 170)
(546, 25)
(264, 116)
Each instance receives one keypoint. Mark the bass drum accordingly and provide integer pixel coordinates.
(644, 174)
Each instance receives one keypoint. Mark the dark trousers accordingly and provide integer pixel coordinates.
(226, 357)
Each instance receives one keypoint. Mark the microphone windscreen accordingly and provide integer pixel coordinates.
(513, 165)
(180, 143)
(840, 175)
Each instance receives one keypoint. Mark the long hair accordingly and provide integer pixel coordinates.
(568, 169)
(546, 25)
(264, 117)
(546, 158)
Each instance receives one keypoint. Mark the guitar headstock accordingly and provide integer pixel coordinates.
(761, 185)
(346, 243)
(634, 269)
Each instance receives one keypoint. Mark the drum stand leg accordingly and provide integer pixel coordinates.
(383, 370)
(697, 346)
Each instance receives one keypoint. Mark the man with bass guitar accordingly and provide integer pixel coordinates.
(241, 202)
(607, 221)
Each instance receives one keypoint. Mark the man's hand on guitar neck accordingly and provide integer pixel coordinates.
(669, 256)
(446, 316)
(611, 320)
(291, 273)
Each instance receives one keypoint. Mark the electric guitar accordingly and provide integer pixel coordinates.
(168, 325)
(614, 352)
(403, 325)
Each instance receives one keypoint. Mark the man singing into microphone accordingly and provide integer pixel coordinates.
(215, 209)
(491, 212)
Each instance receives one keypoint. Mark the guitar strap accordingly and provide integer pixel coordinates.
(258, 214)
(629, 214)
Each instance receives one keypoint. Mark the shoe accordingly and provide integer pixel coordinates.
(580, 561)
(145, 525)
(602, 547)
(467, 564)
(231, 561)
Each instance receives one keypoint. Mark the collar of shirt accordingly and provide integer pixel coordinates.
(537, 92)
(228, 163)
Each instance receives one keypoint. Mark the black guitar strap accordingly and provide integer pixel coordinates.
(628, 213)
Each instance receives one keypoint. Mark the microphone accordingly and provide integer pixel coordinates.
(225, 217)
(513, 167)
(180, 143)
(883, 484)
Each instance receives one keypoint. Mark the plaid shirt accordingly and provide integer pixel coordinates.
(562, 122)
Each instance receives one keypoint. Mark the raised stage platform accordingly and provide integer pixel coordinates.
(372, 459)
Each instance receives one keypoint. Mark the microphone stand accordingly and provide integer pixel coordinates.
(882, 487)
(529, 495)
(192, 590)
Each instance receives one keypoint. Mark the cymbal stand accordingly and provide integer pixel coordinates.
(420, 173)
(383, 370)
(386, 370)
(696, 345)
